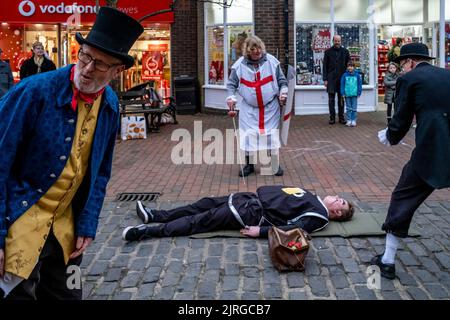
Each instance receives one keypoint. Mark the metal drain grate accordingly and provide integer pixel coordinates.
(135, 196)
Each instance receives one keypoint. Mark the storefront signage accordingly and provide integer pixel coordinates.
(153, 61)
(59, 11)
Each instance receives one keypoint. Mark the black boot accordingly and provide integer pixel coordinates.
(332, 120)
(280, 172)
(248, 169)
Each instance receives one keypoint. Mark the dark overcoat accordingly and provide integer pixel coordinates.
(334, 65)
(424, 93)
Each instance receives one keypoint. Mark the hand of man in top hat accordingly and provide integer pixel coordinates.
(80, 246)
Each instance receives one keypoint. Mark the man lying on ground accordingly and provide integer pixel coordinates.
(251, 213)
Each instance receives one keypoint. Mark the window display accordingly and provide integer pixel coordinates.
(237, 36)
(234, 18)
(447, 45)
(355, 37)
(312, 41)
(215, 55)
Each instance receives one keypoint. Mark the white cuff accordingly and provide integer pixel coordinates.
(382, 137)
(284, 90)
(232, 98)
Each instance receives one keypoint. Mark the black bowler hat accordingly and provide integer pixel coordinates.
(413, 50)
(113, 33)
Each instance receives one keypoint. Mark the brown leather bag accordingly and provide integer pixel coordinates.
(288, 249)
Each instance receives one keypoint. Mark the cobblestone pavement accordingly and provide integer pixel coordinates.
(325, 159)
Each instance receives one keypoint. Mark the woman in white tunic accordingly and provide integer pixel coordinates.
(257, 77)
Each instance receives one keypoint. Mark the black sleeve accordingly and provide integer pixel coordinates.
(404, 112)
(309, 224)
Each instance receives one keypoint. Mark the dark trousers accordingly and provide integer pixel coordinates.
(331, 105)
(48, 280)
(207, 214)
(389, 111)
(410, 192)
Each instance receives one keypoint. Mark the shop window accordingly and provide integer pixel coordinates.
(312, 41)
(355, 37)
(236, 21)
(433, 10)
(447, 46)
(215, 55)
(312, 10)
(237, 36)
(345, 10)
(407, 11)
(47, 34)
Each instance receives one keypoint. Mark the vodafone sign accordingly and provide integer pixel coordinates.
(58, 11)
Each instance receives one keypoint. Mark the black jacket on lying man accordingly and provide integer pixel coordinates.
(251, 213)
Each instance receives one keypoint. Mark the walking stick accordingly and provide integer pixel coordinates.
(238, 151)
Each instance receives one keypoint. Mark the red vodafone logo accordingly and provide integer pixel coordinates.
(27, 8)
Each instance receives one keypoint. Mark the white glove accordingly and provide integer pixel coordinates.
(284, 90)
(382, 137)
(231, 98)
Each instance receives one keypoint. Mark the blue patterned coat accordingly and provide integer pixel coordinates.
(37, 126)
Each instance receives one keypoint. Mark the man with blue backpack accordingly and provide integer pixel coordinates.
(351, 89)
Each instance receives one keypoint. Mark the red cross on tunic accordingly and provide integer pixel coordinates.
(257, 85)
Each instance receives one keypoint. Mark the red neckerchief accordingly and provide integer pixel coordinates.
(86, 97)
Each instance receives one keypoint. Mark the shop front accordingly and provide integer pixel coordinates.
(54, 23)
(362, 24)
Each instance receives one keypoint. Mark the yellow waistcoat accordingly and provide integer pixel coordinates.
(27, 235)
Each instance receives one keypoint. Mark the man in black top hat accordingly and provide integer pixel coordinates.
(423, 92)
(57, 137)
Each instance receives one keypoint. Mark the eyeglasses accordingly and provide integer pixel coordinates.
(98, 64)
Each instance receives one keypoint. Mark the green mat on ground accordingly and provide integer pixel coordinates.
(362, 224)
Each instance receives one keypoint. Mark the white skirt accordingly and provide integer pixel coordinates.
(251, 137)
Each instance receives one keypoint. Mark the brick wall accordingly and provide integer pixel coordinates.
(184, 48)
(269, 26)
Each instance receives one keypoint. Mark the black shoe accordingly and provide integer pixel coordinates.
(144, 213)
(134, 233)
(248, 169)
(332, 121)
(387, 269)
(342, 121)
(280, 172)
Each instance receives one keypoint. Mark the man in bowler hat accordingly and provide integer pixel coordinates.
(421, 92)
(57, 137)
